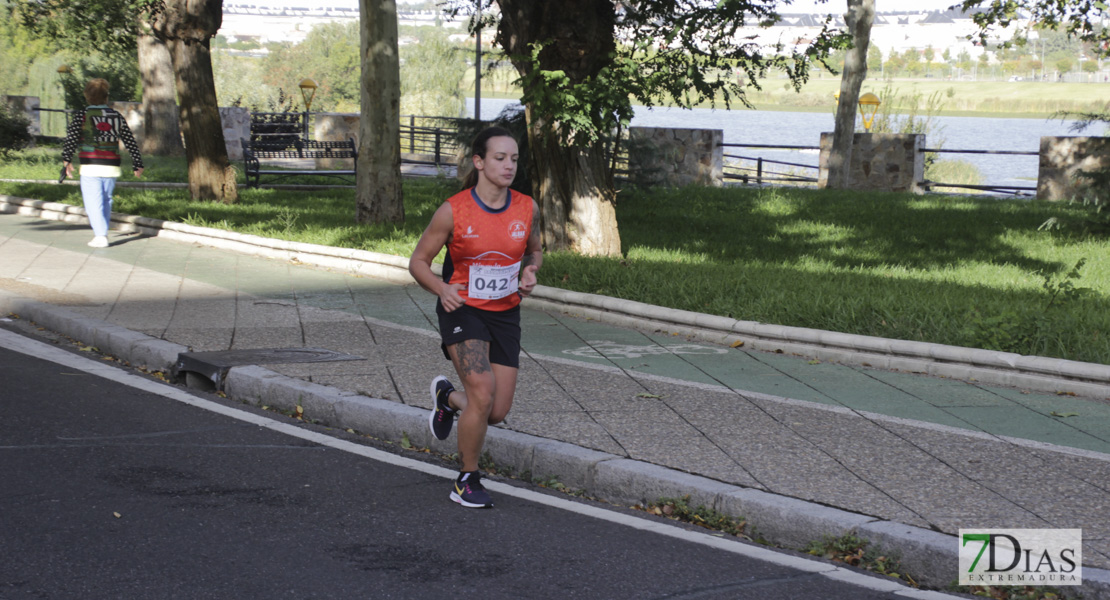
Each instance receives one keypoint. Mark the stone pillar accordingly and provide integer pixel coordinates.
(132, 113)
(885, 162)
(664, 156)
(1061, 161)
(335, 127)
(236, 121)
(28, 106)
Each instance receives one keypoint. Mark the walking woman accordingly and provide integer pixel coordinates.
(493, 252)
(95, 133)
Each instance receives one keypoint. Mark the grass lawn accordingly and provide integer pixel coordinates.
(954, 270)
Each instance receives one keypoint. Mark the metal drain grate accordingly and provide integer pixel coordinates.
(213, 366)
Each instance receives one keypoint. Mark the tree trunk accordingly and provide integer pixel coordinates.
(578, 197)
(573, 185)
(187, 26)
(161, 127)
(379, 197)
(861, 13)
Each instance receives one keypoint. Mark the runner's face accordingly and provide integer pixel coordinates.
(499, 165)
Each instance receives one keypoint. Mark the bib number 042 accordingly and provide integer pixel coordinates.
(491, 283)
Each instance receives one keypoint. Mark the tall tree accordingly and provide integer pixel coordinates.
(582, 64)
(379, 197)
(187, 28)
(161, 125)
(860, 16)
(115, 28)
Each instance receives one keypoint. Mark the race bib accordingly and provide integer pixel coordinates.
(490, 283)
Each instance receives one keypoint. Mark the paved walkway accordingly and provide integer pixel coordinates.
(936, 454)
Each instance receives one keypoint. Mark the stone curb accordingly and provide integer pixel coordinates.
(985, 366)
(789, 522)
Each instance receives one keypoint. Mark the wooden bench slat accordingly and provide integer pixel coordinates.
(301, 149)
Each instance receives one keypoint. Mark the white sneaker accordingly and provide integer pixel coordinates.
(100, 241)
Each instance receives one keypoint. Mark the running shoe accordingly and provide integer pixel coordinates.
(443, 416)
(469, 491)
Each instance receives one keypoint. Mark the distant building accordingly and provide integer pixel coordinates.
(899, 31)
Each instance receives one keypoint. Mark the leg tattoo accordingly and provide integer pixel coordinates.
(473, 357)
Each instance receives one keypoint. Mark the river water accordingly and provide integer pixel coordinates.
(745, 126)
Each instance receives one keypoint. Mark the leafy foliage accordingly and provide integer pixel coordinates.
(1080, 19)
(124, 82)
(110, 27)
(681, 51)
(858, 552)
(13, 131)
(679, 509)
(431, 74)
(330, 56)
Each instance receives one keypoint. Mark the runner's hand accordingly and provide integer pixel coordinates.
(449, 296)
(528, 280)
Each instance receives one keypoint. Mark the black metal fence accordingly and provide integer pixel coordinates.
(997, 189)
(758, 170)
(429, 140)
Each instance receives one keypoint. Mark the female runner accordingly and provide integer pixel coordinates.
(493, 252)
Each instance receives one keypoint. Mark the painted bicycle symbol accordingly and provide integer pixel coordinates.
(604, 349)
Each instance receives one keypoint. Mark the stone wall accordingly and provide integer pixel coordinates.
(132, 113)
(28, 105)
(236, 122)
(886, 162)
(335, 127)
(665, 156)
(1061, 161)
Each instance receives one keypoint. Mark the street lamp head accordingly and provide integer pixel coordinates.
(868, 106)
(308, 90)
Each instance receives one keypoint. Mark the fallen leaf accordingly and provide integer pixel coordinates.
(1064, 415)
(815, 362)
(647, 395)
(405, 442)
(738, 343)
(87, 349)
(299, 413)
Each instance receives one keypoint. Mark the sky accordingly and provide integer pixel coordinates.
(798, 6)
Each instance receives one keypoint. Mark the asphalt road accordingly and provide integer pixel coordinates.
(112, 491)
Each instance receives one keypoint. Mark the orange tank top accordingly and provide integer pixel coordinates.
(486, 248)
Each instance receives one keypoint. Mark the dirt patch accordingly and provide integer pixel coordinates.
(42, 294)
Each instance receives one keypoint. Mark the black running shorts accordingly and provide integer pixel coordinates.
(500, 328)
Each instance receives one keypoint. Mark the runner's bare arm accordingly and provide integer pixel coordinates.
(435, 237)
(533, 255)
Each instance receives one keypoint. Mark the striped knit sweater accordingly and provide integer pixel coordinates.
(95, 133)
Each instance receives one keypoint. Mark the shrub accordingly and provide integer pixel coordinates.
(14, 134)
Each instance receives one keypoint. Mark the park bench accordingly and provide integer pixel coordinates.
(256, 151)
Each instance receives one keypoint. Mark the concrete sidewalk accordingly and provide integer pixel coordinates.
(631, 404)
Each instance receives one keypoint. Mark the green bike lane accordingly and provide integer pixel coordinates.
(1064, 420)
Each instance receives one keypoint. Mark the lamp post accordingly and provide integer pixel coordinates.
(308, 90)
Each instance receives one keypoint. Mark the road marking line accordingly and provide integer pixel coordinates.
(37, 349)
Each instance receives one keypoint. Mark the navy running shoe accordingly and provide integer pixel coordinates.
(469, 492)
(443, 416)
